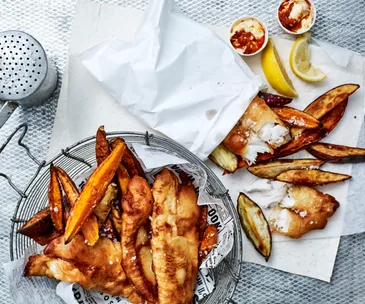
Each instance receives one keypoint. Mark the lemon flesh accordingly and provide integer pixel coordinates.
(300, 61)
(275, 72)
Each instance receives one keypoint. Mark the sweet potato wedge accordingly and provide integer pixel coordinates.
(311, 177)
(254, 225)
(308, 136)
(93, 191)
(296, 118)
(336, 153)
(272, 169)
(129, 160)
(103, 208)
(208, 242)
(55, 200)
(224, 158)
(40, 228)
(274, 100)
(68, 186)
(90, 228)
(102, 149)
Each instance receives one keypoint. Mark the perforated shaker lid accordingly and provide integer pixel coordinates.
(23, 65)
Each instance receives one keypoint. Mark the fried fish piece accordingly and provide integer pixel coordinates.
(97, 267)
(303, 209)
(137, 206)
(175, 238)
(259, 130)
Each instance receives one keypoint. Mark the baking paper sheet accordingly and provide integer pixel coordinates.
(81, 98)
(177, 77)
(43, 290)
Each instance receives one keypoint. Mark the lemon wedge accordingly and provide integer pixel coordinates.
(275, 72)
(299, 61)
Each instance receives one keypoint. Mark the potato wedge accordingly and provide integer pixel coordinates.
(296, 118)
(102, 149)
(254, 225)
(123, 179)
(271, 169)
(336, 153)
(308, 136)
(329, 100)
(93, 191)
(274, 100)
(103, 208)
(208, 242)
(117, 220)
(224, 158)
(203, 220)
(55, 200)
(311, 177)
(40, 227)
(129, 160)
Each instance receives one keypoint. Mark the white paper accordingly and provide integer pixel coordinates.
(80, 112)
(46, 290)
(177, 77)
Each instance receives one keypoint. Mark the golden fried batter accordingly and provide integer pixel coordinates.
(95, 267)
(303, 209)
(175, 238)
(137, 205)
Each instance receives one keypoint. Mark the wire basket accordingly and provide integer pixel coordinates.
(80, 157)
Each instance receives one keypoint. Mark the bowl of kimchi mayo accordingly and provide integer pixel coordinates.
(248, 35)
(296, 16)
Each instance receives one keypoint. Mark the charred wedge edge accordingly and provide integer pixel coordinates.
(255, 225)
(39, 224)
(273, 100)
(68, 186)
(336, 153)
(271, 169)
(208, 242)
(311, 177)
(296, 118)
(224, 158)
(93, 191)
(102, 149)
(55, 200)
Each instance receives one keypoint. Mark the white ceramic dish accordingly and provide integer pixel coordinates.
(235, 22)
(314, 14)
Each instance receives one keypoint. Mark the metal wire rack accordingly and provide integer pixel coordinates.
(80, 157)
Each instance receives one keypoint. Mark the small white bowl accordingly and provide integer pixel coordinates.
(314, 15)
(261, 23)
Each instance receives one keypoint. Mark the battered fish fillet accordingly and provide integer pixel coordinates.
(258, 130)
(175, 238)
(303, 209)
(95, 267)
(137, 261)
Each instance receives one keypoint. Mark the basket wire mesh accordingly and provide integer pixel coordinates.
(79, 158)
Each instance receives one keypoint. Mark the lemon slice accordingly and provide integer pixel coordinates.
(275, 72)
(299, 61)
